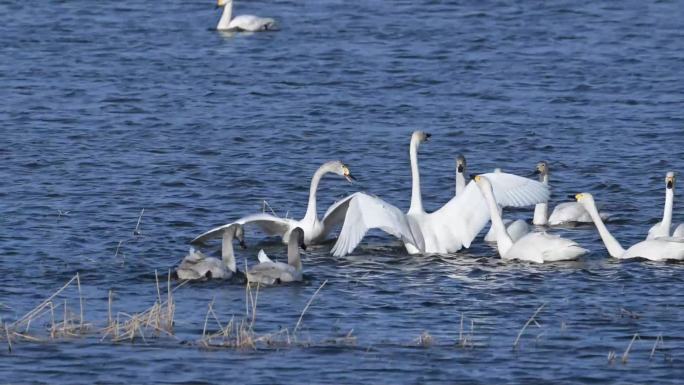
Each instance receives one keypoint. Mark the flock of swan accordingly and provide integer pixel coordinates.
(450, 228)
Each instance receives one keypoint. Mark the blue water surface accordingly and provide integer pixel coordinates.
(109, 108)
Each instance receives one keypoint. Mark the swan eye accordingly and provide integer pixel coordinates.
(345, 170)
(477, 178)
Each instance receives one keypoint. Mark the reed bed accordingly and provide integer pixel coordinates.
(62, 316)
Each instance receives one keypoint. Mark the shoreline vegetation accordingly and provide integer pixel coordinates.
(60, 318)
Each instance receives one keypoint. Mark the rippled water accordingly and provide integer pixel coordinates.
(109, 108)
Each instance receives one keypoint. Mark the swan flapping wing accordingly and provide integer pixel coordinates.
(458, 222)
(269, 224)
(367, 212)
(335, 214)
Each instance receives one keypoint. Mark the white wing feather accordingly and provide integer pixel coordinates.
(269, 224)
(458, 222)
(367, 212)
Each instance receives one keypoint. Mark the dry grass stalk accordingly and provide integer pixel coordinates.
(625, 355)
(466, 340)
(424, 339)
(38, 309)
(658, 342)
(159, 318)
(529, 321)
(299, 321)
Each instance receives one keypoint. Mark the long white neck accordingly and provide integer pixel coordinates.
(226, 16)
(614, 248)
(541, 210)
(311, 213)
(227, 255)
(293, 258)
(503, 240)
(460, 182)
(667, 212)
(416, 199)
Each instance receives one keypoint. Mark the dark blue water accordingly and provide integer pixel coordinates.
(109, 108)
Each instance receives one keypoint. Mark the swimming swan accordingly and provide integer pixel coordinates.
(652, 249)
(268, 272)
(315, 230)
(515, 229)
(197, 265)
(243, 22)
(563, 213)
(533, 247)
(662, 228)
(446, 230)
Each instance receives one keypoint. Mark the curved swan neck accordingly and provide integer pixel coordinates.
(667, 212)
(460, 182)
(226, 16)
(541, 210)
(416, 199)
(293, 257)
(503, 240)
(614, 248)
(311, 213)
(541, 214)
(227, 255)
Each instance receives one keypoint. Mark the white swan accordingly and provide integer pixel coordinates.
(446, 230)
(652, 249)
(515, 229)
(268, 272)
(196, 265)
(662, 228)
(243, 22)
(315, 230)
(563, 213)
(533, 247)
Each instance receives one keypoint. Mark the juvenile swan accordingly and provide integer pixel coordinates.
(652, 249)
(446, 230)
(533, 247)
(196, 265)
(662, 228)
(268, 272)
(243, 22)
(315, 230)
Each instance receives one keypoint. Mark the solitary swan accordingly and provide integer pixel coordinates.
(268, 272)
(652, 249)
(196, 265)
(533, 247)
(446, 230)
(662, 228)
(315, 230)
(515, 229)
(247, 23)
(564, 213)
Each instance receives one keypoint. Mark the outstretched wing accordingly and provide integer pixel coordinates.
(367, 212)
(269, 224)
(456, 224)
(335, 215)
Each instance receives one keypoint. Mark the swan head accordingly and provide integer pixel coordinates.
(341, 169)
(482, 182)
(584, 198)
(297, 237)
(240, 236)
(542, 169)
(460, 163)
(221, 3)
(670, 180)
(419, 137)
